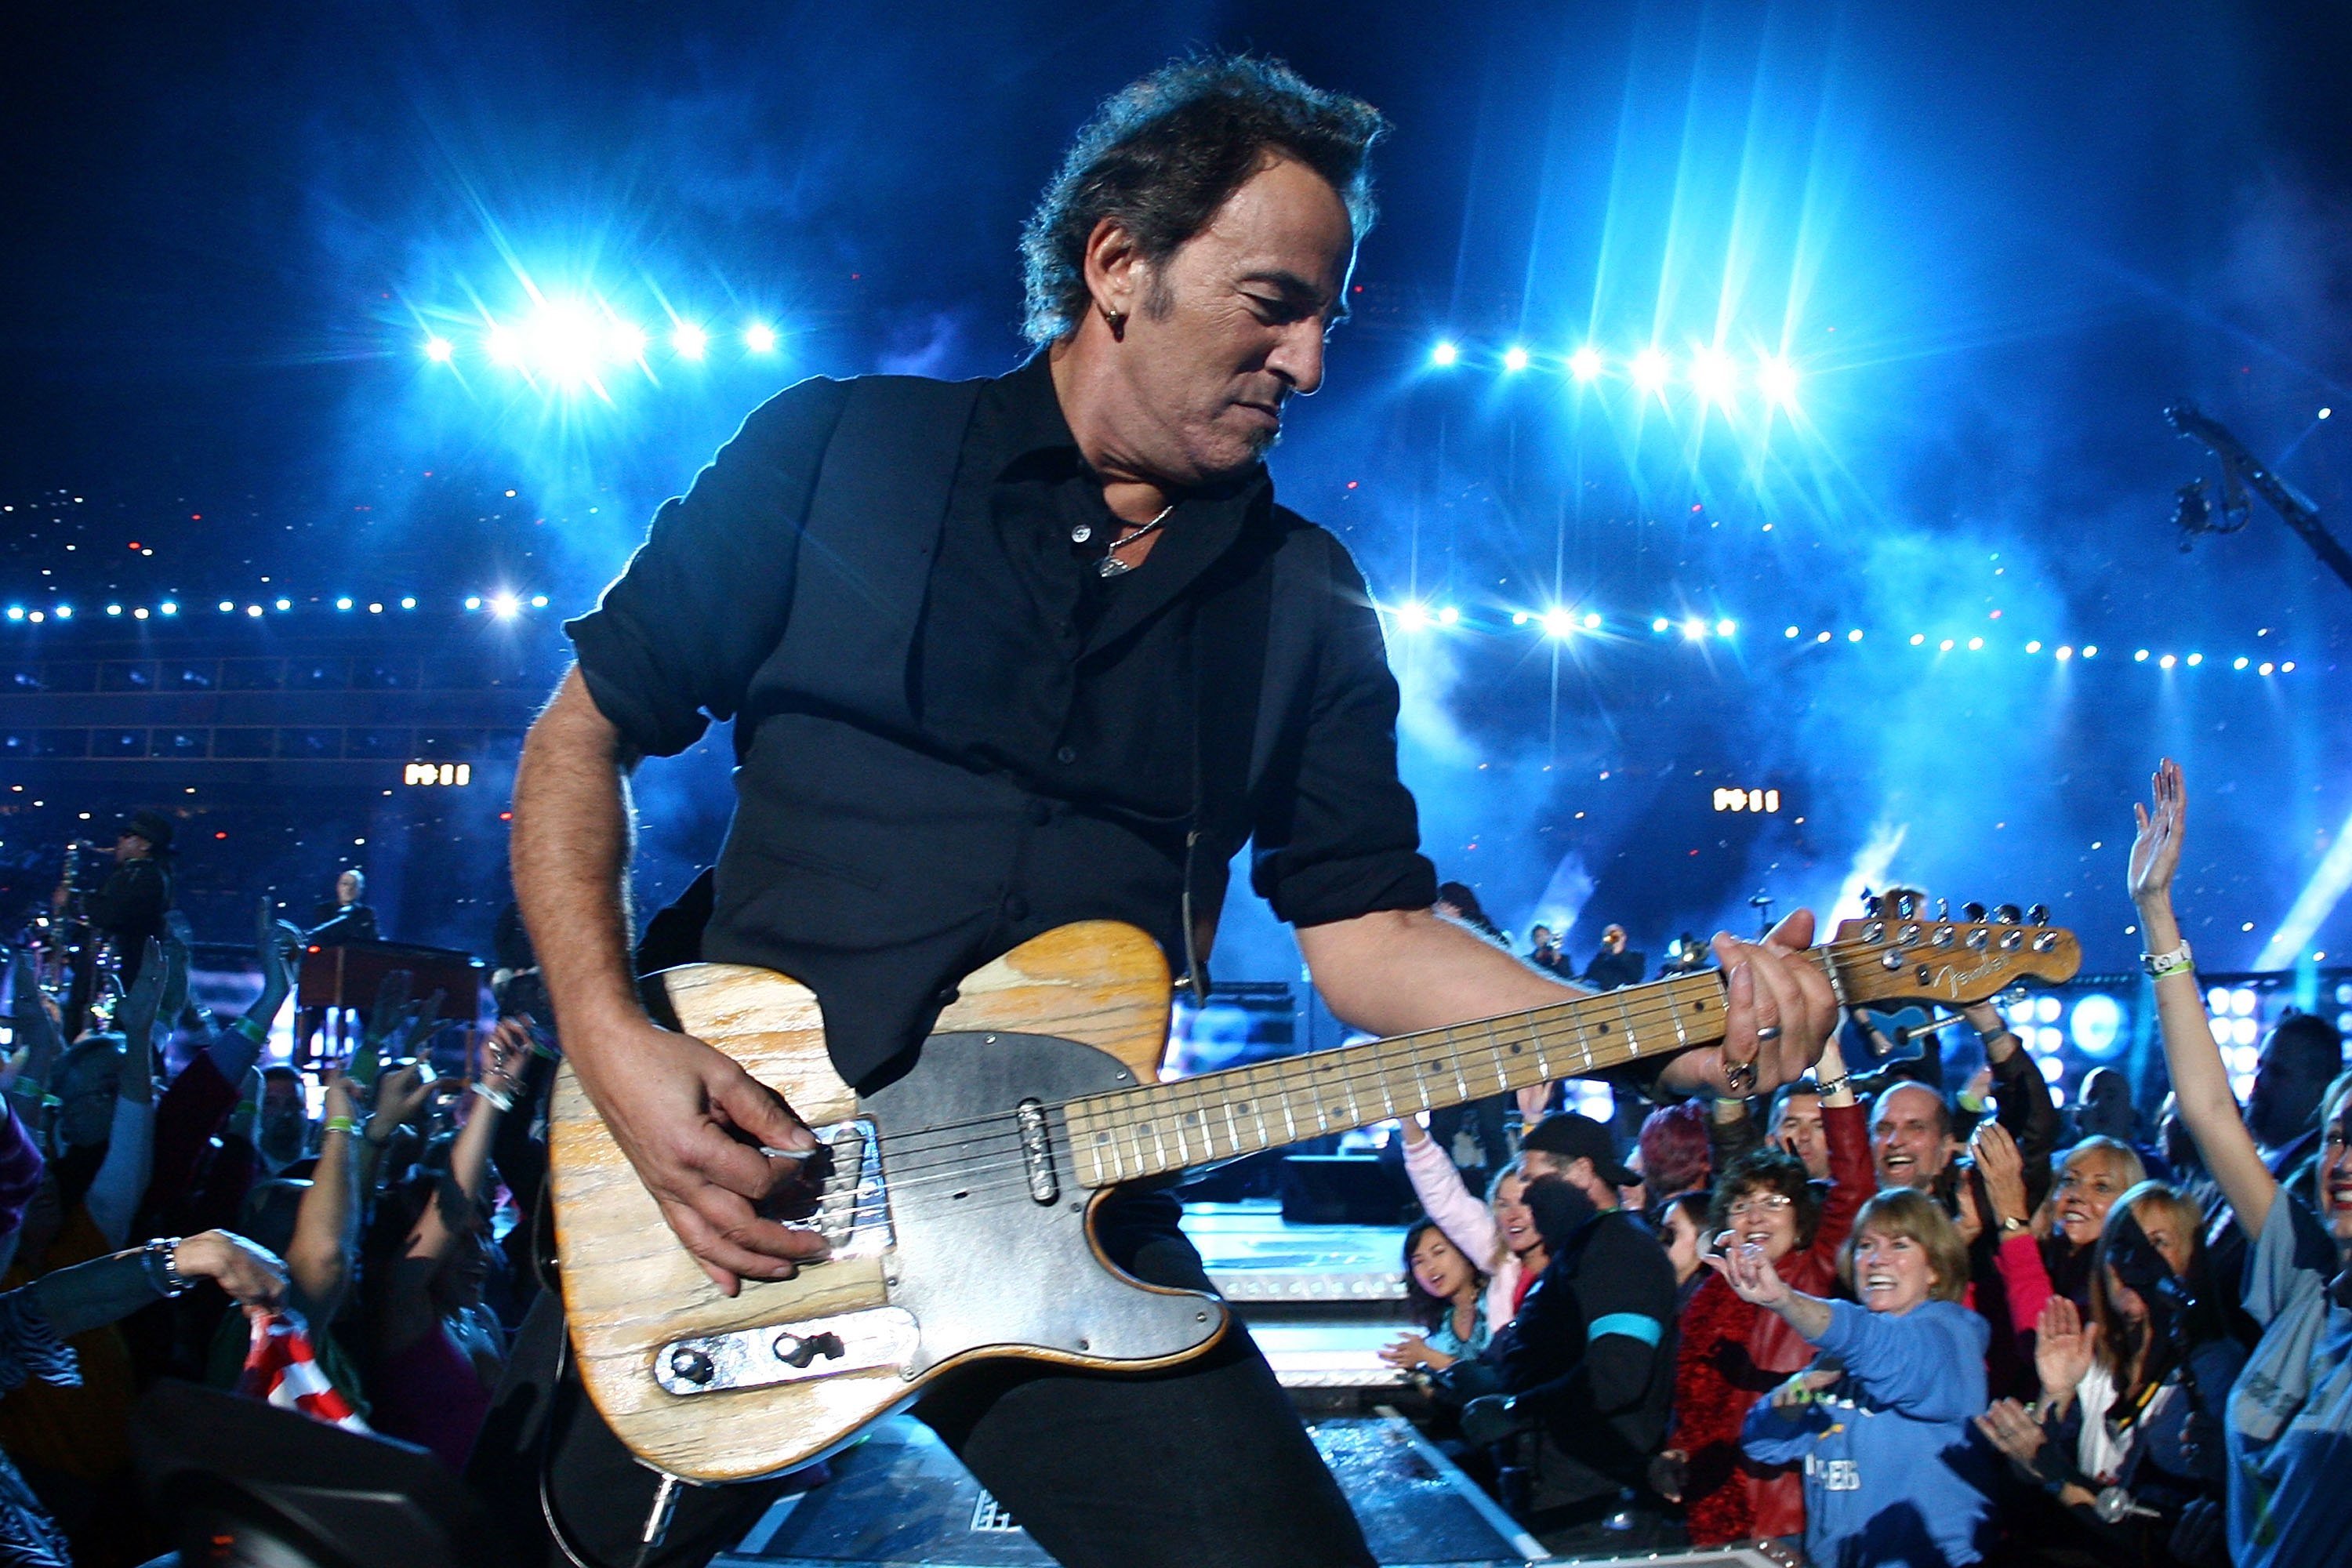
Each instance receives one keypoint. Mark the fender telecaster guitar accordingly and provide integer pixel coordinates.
(957, 1198)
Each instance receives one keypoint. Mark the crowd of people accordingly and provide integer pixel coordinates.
(1912, 1327)
(1872, 1321)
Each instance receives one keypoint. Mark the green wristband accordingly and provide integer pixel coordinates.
(258, 1032)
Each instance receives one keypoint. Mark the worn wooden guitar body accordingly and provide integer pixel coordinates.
(958, 1199)
(944, 1250)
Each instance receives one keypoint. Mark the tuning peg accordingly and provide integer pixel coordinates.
(1872, 906)
(1907, 905)
(2038, 915)
(1973, 912)
(2008, 914)
(1943, 908)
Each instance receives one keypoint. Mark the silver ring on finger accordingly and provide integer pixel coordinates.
(1769, 1032)
(1739, 1077)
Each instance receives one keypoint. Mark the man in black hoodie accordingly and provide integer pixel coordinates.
(1588, 1366)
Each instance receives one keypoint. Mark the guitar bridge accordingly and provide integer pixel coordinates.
(789, 1352)
(843, 1198)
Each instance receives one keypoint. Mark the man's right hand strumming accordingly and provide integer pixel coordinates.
(693, 1124)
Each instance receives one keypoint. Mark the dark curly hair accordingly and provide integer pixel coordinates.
(1769, 1171)
(1161, 155)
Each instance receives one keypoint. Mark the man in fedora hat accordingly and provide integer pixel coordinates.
(130, 904)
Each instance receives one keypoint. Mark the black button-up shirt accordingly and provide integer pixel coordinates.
(1049, 773)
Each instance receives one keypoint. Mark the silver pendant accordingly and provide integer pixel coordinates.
(1081, 533)
(1112, 566)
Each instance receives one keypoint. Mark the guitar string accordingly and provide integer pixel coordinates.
(1645, 995)
(984, 1171)
(909, 1170)
(977, 1170)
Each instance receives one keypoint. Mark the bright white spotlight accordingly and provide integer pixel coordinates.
(1585, 364)
(1411, 617)
(15, 612)
(1650, 370)
(689, 340)
(1444, 355)
(1560, 624)
(1515, 358)
(1661, 623)
(1694, 629)
(505, 607)
(408, 604)
(1725, 628)
(1713, 376)
(343, 603)
(539, 601)
(113, 609)
(625, 342)
(760, 338)
(1591, 620)
(439, 350)
(1448, 617)
(1776, 378)
(566, 341)
(505, 345)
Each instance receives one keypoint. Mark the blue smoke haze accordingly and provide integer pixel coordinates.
(1993, 246)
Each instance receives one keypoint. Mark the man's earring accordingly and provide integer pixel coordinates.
(1116, 321)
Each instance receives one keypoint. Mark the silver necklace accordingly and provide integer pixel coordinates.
(1111, 565)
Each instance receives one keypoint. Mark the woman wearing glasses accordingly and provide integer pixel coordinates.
(1730, 1352)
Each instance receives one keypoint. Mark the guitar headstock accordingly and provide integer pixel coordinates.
(1900, 952)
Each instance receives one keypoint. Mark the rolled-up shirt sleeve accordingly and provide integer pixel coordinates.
(1344, 839)
(676, 639)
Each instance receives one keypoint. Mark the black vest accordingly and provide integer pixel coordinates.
(879, 873)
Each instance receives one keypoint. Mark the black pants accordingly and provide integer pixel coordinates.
(1203, 1467)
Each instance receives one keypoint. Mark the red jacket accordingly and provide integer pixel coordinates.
(1730, 1353)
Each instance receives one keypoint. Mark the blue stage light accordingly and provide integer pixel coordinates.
(1694, 629)
(688, 340)
(505, 607)
(377, 608)
(1976, 645)
(1585, 364)
(2166, 662)
(1444, 355)
(1789, 633)
(1591, 620)
(226, 606)
(167, 608)
(1651, 370)
(1410, 617)
(113, 609)
(504, 345)
(1519, 618)
(63, 612)
(539, 601)
(473, 601)
(140, 614)
(1854, 636)
(343, 603)
(1560, 623)
(1713, 376)
(1661, 623)
(2238, 663)
(1448, 617)
(1918, 637)
(285, 604)
(1515, 358)
(15, 612)
(2097, 1025)
(1820, 637)
(760, 338)
(37, 617)
(1776, 378)
(408, 604)
(1946, 646)
(439, 350)
(253, 610)
(2091, 651)
(2033, 647)
(2195, 659)
(2140, 657)
(1725, 628)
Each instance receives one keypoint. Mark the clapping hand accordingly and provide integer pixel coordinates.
(2062, 1348)
(2007, 1426)
(1413, 1351)
(2003, 1169)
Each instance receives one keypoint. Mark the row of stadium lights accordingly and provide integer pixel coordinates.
(571, 342)
(1564, 623)
(1712, 374)
(505, 607)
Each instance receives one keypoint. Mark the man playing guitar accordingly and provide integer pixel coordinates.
(1002, 655)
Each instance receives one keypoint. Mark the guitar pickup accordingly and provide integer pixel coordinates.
(842, 1196)
(788, 1352)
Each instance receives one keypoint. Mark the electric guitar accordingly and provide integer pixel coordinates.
(956, 1199)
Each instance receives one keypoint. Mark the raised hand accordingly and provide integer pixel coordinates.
(2156, 852)
(391, 1004)
(2062, 1348)
(1750, 1275)
(145, 1002)
(2003, 1169)
(400, 1093)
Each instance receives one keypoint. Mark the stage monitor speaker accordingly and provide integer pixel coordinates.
(1344, 1189)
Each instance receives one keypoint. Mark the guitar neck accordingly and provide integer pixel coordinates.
(1145, 1132)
